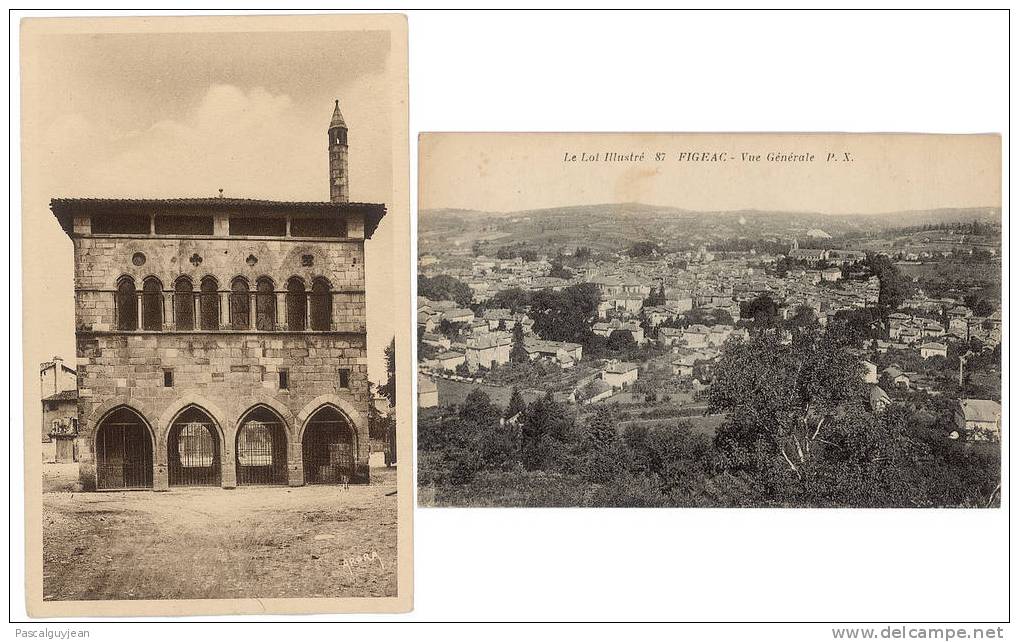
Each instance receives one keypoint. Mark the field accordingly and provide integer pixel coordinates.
(205, 543)
(454, 392)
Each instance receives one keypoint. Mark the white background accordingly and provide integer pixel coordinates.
(783, 71)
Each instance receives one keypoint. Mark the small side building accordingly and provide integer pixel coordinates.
(58, 385)
(619, 374)
(979, 419)
(428, 393)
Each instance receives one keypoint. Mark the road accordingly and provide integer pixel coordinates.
(268, 542)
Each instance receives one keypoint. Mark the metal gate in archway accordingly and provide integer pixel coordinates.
(261, 449)
(123, 452)
(328, 448)
(193, 450)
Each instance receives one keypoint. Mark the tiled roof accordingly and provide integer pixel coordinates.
(620, 367)
(63, 395)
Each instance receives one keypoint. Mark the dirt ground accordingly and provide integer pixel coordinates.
(203, 543)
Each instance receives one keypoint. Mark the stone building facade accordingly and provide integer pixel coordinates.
(221, 341)
(58, 385)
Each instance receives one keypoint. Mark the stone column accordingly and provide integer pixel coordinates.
(295, 463)
(140, 306)
(197, 298)
(228, 463)
(307, 310)
(163, 299)
(224, 315)
(160, 474)
(281, 311)
(160, 478)
(86, 460)
(252, 310)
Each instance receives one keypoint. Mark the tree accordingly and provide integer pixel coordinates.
(445, 288)
(643, 249)
(478, 408)
(763, 310)
(656, 297)
(451, 329)
(516, 404)
(388, 389)
(567, 315)
(558, 271)
(621, 341)
(803, 320)
(895, 287)
(780, 401)
(512, 299)
(518, 353)
(981, 307)
(853, 327)
(603, 452)
(701, 316)
(546, 436)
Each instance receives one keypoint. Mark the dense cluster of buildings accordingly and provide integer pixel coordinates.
(651, 297)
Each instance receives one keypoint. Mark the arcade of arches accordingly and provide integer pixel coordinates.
(195, 450)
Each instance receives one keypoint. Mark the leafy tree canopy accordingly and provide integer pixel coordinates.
(445, 288)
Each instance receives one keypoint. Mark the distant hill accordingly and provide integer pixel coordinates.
(640, 210)
(614, 226)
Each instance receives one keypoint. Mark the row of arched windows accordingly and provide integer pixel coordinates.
(246, 309)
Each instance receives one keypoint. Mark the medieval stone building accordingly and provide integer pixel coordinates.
(222, 341)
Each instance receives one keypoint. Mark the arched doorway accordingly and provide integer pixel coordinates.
(193, 449)
(328, 447)
(123, 451)
(261, 448)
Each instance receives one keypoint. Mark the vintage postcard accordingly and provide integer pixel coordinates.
(217, 339)
(717, 320)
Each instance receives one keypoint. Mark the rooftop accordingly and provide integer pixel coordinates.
(337, 120)
(980, 409)
(620, 367)
(66, 208)
(63, 395)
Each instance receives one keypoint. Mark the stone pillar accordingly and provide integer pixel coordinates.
(160, 473)
(197, 299)
(160, 477)
(86, 461)
(281, 311)
(167, 317)
(295, 463)
(307, 311)
(228, 465)
(224, 304)
(139, 310)
(252, 310)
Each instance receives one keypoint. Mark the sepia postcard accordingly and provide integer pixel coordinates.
(215, 217)
(709, 320)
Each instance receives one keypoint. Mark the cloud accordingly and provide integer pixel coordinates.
(240, 140)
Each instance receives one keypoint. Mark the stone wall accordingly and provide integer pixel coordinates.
(224, 372)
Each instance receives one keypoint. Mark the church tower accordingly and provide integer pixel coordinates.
(339, 185)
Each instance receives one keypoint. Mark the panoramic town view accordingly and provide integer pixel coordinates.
(639, 355)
